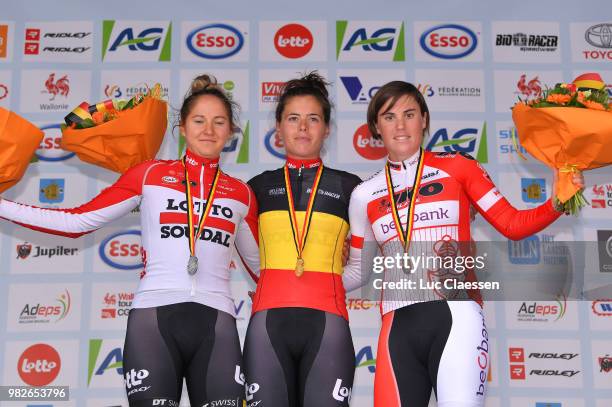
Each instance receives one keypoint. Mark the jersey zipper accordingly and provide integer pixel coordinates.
(298, 196)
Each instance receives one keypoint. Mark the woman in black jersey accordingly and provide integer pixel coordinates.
(298, 348)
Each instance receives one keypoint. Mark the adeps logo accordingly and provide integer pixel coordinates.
(129, 41)
(112, 361)
(462, 140)
(372, 40)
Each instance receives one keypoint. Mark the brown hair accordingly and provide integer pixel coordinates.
(311, 84)
(393, 91)
(207, 85)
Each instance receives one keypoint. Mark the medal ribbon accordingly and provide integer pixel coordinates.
(405, 235)
(300, 238)
(193, 235)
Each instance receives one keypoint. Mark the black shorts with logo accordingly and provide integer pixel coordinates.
(187, 340)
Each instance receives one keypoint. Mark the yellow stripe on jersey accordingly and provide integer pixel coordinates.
(323, 250)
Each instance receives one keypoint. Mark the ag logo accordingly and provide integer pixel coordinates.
(113, 360)
(367, 356)
(466, 140)
(363, 41)
(124, 41)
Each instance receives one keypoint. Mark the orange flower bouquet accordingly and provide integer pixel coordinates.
(117, 134)
(569, 129)
(19, 139)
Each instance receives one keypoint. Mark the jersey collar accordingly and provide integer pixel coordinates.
(298, 163)
(195, 161)
(409, 162)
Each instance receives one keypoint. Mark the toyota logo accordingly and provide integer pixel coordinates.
(599, 35)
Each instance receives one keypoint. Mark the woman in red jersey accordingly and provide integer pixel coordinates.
(419, 205)
(182, 322)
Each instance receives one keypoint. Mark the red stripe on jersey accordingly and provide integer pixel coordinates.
(357, 242)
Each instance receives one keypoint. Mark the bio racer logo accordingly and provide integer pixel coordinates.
(133, 41)
(370, 41)
(461, 140)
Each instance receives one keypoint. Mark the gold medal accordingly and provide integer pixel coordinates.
(299, 267)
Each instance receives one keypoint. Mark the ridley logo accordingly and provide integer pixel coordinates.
(366, 145)
(60, 87)
(39, 365)
(293, 41)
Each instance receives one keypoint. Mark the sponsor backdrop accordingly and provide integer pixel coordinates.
(66, 301)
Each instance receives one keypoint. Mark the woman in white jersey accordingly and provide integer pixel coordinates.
(419, 205)
(182, 324)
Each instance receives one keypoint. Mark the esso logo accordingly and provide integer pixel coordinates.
(49, 149)
(39, 365)
(215, 41)
(450, 41)
(274, 144)
(122, 250)
(366, 145)
(293, 41)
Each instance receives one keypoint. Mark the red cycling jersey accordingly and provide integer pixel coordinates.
(159, 188)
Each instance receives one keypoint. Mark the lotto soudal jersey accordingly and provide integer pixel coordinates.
(320, 286)
(449, 184)
(159, 188)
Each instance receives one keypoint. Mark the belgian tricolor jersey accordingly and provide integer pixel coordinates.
(320, 286)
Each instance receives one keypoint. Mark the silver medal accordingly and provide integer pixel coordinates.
(192, 265)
